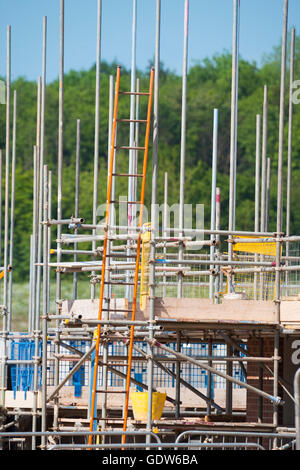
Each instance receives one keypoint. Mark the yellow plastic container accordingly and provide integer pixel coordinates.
(139, 402)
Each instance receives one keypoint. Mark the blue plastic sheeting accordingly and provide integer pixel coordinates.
(22, 374)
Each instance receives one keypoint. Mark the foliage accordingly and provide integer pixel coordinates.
(209, 87)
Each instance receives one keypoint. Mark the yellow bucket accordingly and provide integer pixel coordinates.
(139, 402)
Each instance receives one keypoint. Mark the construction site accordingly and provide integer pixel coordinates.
(190, 338)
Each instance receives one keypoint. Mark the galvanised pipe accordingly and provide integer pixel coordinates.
(216, 262)
(40, 177)
(276, 400)
(45, 304)
(12, 211)
(6, 221)
(213, 194)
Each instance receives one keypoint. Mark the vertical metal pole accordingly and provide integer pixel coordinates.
(6, 221)
(12, 210)
(153, 215)
(209, 379)
(59, 197)
(35, 208)
(218, 287)
(268, 193)
(213, 194)
(236, 114)
(76, 209)
(257, 180)
(229, 369)
(135, 155)
(49, 232)
(260, 382)
(165, 215)
(60, 143)
(34, 325)
(40, 172)
(110, 122)
(155, 114)
(97, 127)
(279, 200)
(177, 383)
(31, 285)
(290, 148)
(129, 289)
(0, 206)
(263, 183)
(264, 161)
(183, 136)
(280, 157)
(45, 306)
(257, 173)
(233, 131)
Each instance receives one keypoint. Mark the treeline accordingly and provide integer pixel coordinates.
(209, 87)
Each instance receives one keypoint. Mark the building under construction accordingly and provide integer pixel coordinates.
(189, 338)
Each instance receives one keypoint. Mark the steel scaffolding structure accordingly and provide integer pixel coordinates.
(185, 291)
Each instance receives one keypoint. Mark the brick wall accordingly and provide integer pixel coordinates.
(253, 347)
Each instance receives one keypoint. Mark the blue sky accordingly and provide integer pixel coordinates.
(210, 32)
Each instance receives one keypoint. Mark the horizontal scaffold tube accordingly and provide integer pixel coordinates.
(77, 221)
(275, 400)
(214, 262)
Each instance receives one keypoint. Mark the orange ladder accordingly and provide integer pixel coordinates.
(106, 256)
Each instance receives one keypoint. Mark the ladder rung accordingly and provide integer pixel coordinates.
(133, 175)
(119, 283)
(132, 120)
(116, 310)
(111, 391)
(121, 256)
(125, 147)
(118, 364)
(142, 93)
(125, 202)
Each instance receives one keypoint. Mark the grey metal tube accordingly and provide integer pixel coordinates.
(207, 399)
(75, 368)
(34, 324)
(77, 190)
(233, 126)
(40, 177)
(6, 220)
(218, 278)
(130, 209)
(213, 194)
(153, 209)
(59, 187)
(165, 214)
(155, 112)
(268, 193)
(257, 187)
(49, 233)
(12, 211)
(257, 172)
(264, 161)
(45, 305)
(290, 143)
(273, 399)
(183, 134)
(1, 165)
(280, 156)
(97, 126)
